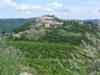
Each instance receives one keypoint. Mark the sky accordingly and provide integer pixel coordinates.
(66, 9)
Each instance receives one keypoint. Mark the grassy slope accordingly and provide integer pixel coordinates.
(59, 59)
(9, 60)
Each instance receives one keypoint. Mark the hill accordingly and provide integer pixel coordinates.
(93, 21)
(49, 28)
(58, 59)
(48, 45)
(7, 25)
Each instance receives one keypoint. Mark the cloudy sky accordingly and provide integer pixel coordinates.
(67, 9)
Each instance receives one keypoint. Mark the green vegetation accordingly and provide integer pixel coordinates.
(65, 48)
(65, 33)
(9, 60)
(7, 25)
(59, 59)
(25, 26)
(61, 36)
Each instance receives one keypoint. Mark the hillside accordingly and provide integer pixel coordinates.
(7, 25)
(48, 45)
(49, 28)
(93, 21)
(58, 59)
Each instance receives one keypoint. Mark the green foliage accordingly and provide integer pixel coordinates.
(9, 60)
(56, 50)
(69, 32)
(59, 59)
(57, 36)
(25, 26)
(44, 49)
(76, 28)
(7, 25)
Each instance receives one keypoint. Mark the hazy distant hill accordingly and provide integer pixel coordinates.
(94, 21)
(8, 25)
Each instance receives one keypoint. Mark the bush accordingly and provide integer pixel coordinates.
(9, 60)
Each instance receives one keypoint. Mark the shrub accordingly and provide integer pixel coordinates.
(9, 60)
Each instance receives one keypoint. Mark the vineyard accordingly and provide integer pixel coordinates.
(58, 59)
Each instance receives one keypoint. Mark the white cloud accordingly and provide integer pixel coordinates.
(41, 8)
(88, 9)
(7, 3)
(56, 5)
(27, 7)
(28, 12)
(23, 6)
(30, 7)
(80, 12)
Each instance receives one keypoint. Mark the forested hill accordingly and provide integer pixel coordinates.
(7, 25)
